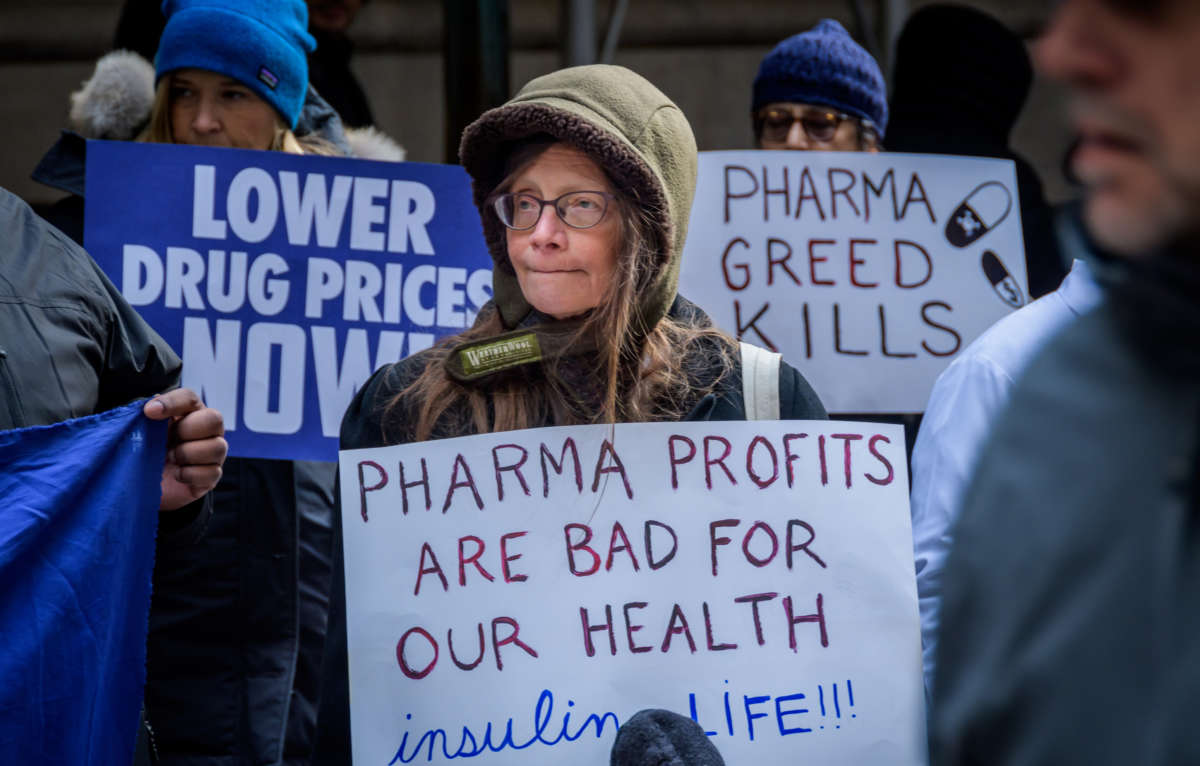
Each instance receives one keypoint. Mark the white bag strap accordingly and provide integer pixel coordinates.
(760, 382)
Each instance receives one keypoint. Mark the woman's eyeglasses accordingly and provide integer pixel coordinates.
(820, 125)
(577, 209)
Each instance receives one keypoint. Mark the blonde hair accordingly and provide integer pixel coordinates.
(158, 129)
(642, 373)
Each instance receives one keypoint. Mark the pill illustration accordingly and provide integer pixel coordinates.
(979, 213)
(1002, 282)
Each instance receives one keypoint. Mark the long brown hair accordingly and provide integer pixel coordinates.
(634, 373)
(158, 129)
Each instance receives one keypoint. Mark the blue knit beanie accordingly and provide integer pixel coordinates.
(263, 44)
(824, 66)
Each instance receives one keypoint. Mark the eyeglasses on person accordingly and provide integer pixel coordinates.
(578, 209)
(819, 124)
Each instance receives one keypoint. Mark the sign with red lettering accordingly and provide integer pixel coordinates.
(868, 272)
(515, 597)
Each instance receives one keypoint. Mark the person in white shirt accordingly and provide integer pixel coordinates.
(964, 402)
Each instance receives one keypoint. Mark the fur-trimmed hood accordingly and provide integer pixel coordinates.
(115, 102)
(372, 144)
(637, 134)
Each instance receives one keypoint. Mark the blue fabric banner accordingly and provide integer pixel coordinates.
(78, 513)
(284, 281)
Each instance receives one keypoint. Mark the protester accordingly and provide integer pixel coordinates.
(943, 54)
(963, 406)
(590, 281)
(139, 27)
(1072, 598)
(70, 346)
(116, 103)
(73, 347)
(231, 73)
(819, 90)
(238, 621)
(329, 65)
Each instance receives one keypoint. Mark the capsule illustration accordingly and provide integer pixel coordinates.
(1002, 282)
(982, 210)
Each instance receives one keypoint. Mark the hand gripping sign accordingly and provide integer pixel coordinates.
(512, 598)
(284, 281)
(869, 272)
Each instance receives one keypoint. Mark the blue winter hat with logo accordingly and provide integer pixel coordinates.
(824, 66)
(263, 44)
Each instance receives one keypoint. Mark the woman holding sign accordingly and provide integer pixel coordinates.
(234, 73)
(584, 182)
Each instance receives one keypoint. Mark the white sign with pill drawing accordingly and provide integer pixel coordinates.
(868, 272)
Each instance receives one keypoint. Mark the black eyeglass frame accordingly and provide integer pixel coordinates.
(494, 203)
(866, 130)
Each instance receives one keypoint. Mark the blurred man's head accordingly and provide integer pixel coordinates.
(1133, 67)
(819, 90)
(333, 15)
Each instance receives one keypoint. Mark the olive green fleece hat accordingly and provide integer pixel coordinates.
(628, 127)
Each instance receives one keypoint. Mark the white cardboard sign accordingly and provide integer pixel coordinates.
(512, 598)
(869, 272)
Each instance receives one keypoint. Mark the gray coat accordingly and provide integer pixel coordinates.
(71, 346)
(69, 343)
(1072, 599)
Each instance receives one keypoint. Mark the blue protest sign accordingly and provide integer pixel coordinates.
(78, 509)
(284, 281)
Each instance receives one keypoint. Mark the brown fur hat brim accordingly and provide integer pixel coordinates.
(628, 127)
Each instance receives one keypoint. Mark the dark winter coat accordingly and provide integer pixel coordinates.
(942, 54)
(367, 424)
(71, 346)
(1072, 600)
